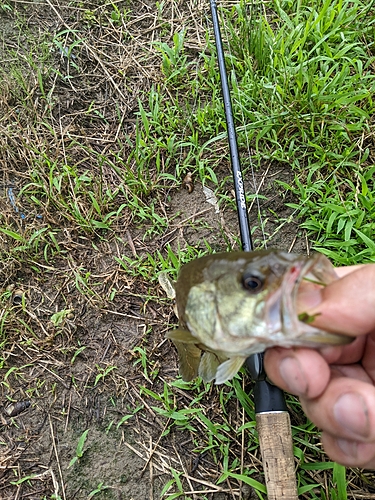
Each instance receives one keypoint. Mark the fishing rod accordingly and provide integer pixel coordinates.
(272, 417)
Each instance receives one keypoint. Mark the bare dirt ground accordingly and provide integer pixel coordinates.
(132, 459)
(87, 343)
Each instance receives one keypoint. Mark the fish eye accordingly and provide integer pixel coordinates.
(252, 283)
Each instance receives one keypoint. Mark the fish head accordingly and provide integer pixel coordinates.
(239, 303)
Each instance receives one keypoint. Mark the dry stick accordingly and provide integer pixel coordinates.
(206, 483)
(264, 177)
(293, 243)
(131, 243)
(184, 470)
(19, 487)
(154, 449)
(55, 482)
(57, 456)
(68, 412)
(205, 492)
(151, 474)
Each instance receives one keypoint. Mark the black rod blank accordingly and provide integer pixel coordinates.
(267, 397)
(247, 244)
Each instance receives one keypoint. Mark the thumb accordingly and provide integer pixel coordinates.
(345, 306)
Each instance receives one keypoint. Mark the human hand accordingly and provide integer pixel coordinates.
(336, 385)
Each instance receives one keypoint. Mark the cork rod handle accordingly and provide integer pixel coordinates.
(276, 445)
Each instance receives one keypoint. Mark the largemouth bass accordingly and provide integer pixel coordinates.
(232, 305)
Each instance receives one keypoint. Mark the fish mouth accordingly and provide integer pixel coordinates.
(282, 314)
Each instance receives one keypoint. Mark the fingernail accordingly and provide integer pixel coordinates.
(350, 448)
(293, 376)
(350, 411)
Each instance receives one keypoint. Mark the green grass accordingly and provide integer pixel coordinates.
(214, 431)
(314, 77)
(79, 450)
(303, 87)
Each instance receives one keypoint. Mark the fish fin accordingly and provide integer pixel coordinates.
(189, 357)
(167, 285)
(208, 366)
(327, 338)
(228, 369)
(180, 335)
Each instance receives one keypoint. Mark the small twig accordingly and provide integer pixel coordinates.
(68, 412)
(151, 474)
(205, 492)
(264, 177)
(293, 243)
(131, 244)
(307, 245)
(205, 483)
(154, 449)
(184, 470)
(57, 457)
(105, 351)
